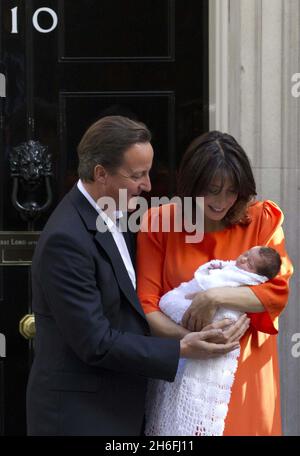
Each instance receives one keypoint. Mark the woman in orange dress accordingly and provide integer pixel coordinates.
(216, 167)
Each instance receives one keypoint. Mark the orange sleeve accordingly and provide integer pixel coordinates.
(273, 294)
(150, 261)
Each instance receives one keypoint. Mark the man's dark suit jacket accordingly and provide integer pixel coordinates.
(93, 349)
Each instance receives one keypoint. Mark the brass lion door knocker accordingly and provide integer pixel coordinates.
(31, 168)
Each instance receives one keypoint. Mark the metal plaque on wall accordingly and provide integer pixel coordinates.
(17, 247)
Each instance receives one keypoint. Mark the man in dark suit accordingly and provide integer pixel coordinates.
(93, 347)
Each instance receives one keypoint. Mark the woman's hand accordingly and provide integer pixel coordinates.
(205, 304)
(201, 311)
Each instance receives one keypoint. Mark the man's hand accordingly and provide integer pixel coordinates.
(231, 332)
(197, 345)
(214, 341)
(201, 311)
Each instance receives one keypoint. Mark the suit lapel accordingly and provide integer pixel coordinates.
(106, 241)
(108, 244)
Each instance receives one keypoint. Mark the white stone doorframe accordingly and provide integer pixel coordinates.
(218, 64)
(254, 50)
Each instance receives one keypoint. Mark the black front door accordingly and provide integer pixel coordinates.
(64, 64)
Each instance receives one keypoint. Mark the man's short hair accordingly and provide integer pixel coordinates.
(270, 266)
(106, 141)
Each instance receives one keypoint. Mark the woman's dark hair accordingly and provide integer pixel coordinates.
(106, 141)
(217, 154)
(270, 266)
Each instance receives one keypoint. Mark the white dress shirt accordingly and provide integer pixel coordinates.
(116, 233)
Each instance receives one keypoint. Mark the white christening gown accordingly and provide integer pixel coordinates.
(196, 403)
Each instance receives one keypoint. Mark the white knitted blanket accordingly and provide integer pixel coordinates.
(196, 403)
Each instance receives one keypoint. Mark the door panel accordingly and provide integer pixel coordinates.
(117, 30)
(155, 108)
(146, 59)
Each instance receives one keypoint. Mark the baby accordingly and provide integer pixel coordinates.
(253, 267)
(196, 403)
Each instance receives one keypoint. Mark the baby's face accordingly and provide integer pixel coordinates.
(249, 260)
